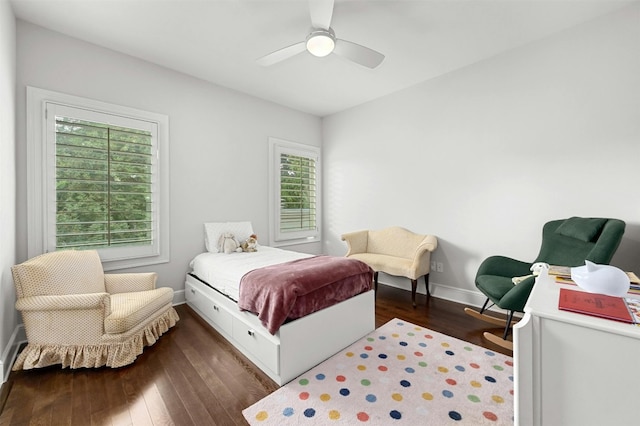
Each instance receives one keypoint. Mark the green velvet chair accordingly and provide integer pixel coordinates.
(567, 242)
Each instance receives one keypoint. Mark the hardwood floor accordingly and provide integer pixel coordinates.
(191, 376)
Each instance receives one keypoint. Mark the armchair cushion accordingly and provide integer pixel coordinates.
(581, 228)
(129, 310)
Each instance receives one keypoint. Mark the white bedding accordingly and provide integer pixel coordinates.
(224, 271)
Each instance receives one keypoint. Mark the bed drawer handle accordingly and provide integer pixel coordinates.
(193, 291)
(215, 308)
(251, 332)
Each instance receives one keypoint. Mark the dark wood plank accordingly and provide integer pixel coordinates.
(80, 398)
(7, 416)
(116, 397)
(62, 389)
(99, 410)
(192, 375)
(23, 395)
(133, 389)
(162, 381)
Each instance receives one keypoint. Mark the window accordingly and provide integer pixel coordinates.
(98, 179)
(294, 192)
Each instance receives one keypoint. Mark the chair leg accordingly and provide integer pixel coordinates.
(426, 283)
(414, 287)
(486, 302)
(508, 326)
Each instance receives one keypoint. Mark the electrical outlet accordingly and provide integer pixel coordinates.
(433, 265)
(439, 267)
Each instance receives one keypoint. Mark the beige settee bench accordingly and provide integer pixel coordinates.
(394, 251)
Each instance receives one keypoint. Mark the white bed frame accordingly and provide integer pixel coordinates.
(299, 345)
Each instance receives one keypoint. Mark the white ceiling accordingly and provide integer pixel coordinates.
(219, 40)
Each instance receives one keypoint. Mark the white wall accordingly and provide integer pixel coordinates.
(483, 156)
(8, 314)
(218, 137)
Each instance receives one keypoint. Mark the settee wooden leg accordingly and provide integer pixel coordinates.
(375, 281)
(414, 287)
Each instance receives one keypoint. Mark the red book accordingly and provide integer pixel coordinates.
(598, 305)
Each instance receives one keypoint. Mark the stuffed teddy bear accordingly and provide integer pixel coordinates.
(251, 244)
(227, 243)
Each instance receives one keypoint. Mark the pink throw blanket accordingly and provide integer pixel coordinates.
(297, 288)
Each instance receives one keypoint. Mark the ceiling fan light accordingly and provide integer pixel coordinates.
(320, 43)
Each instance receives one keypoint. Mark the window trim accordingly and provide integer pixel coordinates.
(37, 169)
(276, 238)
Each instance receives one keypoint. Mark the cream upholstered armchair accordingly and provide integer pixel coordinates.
(76, 315)
(395, 251)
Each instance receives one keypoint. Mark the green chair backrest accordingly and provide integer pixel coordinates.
(569, 242)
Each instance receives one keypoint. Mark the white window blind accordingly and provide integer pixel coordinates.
(296, 192)
(103, 183)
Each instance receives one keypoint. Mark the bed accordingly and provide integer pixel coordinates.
(285, 351)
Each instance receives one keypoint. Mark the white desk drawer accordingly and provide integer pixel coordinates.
(267, 351)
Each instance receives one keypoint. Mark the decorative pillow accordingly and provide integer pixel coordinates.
(581, 228)
(213, 230)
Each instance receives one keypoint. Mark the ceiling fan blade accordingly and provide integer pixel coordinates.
(358, 54)
(282, 54)
(321, 12)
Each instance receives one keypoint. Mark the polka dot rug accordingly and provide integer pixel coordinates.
(400, 373)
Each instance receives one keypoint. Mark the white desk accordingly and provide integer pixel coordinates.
(573, 369)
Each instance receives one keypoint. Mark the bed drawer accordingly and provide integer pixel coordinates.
(260, 345)
(206, 305)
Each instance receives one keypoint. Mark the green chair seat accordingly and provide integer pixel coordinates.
(494, 286)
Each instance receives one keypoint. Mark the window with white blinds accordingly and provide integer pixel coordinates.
(99, 176)
(103, 183)
(295, 192)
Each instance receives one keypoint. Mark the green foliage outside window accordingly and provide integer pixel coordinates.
(103, 185)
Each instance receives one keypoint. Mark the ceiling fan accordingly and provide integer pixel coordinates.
(322, 41)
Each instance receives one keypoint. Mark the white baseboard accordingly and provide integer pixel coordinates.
(453, 294)
(10, 352)
(459, 295)
(179, 297)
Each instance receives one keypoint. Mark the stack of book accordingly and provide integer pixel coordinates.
(562, 275)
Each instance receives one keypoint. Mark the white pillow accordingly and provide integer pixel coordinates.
(213, 230)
